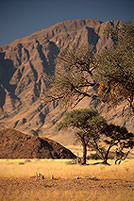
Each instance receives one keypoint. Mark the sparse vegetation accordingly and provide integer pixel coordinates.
(22, 184)
(61, 169)
(73, 77)
(88, 127)
(92, 131)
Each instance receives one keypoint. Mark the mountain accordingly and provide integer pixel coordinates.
(15, 144)
(23, 64)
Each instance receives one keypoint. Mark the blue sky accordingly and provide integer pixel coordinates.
(20, 18)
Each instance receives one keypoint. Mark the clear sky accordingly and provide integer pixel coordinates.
(20, 18)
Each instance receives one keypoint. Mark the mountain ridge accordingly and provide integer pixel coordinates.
(83, 22)
(23, 64)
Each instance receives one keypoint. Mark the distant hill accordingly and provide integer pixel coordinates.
(17, 145)
(23, 64)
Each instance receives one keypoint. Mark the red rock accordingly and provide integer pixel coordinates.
(17, 145)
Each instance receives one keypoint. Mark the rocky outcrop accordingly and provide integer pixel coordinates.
(17, 145)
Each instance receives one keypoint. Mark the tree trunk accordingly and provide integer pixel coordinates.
(106, 156)
(84, 153)
(105, 162)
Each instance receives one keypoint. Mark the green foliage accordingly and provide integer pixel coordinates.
(86, 122)
(88, 126)
(79, 70)
(73, 76)
(92, 131)
(115, 71)
(79, 118)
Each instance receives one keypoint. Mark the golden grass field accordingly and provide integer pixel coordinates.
(23, 168)
(18, 181)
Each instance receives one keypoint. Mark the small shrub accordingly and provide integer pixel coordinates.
(97, 157)
(27, 160)
(93, 156)
(21, 163)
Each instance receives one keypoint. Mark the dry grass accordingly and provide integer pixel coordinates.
(62, 169)
(70, 196)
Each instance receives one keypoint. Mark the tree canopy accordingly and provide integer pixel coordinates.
(73, 76)
(79, 69)
(115, 67)
(92, 131)
(88, 126)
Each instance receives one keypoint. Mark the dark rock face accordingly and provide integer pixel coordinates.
(16, 145)
(23, 64)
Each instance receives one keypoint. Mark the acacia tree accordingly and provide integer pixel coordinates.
(88, 126)
(79, 70)
(73, 76)
(114, 136)
(115, 67)
(92, 131)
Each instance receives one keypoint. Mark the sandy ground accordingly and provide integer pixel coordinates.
(11, 189)
(18, 181)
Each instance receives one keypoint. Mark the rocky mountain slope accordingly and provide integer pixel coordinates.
(14, 144)
(23, 64)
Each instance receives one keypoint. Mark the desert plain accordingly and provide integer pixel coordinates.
(64, 180)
